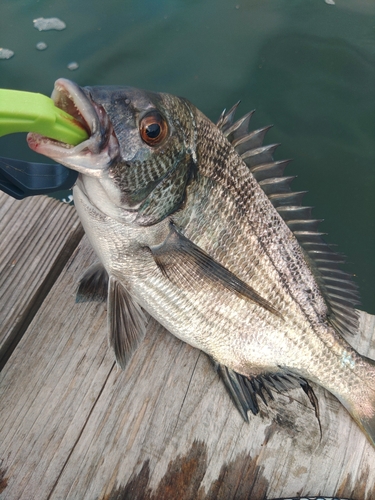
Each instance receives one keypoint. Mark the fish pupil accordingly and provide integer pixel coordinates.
(153, 130)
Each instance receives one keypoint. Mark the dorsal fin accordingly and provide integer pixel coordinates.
(226, 118)
(337, 286)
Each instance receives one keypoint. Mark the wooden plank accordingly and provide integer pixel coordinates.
(38, 235)
(75, 426)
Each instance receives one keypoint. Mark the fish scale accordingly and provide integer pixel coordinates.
(196, 224)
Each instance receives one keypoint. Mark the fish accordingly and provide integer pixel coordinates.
(195, 224)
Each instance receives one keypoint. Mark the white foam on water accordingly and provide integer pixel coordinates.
(6, 53)
(49, 23)
(73, 65)
(41, 46)
(69, 199)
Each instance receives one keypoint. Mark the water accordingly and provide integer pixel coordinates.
(307, 66)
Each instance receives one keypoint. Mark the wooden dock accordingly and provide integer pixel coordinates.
(74, 426)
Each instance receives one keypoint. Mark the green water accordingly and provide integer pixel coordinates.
(307, 67)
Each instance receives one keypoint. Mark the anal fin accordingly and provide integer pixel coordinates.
(126, 322)
(236, 385)
(244, 391)
(93, 285)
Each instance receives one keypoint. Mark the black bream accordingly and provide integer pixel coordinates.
(195, 224)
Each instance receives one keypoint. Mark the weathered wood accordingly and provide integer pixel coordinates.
(38, 235)
(75, 426)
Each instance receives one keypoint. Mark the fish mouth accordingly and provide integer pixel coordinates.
(92, 156)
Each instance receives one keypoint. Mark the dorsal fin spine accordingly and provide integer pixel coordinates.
(251, 140)
(227, 118)
(293, 198)
(263, 154)
(239, 129)
(294, 212)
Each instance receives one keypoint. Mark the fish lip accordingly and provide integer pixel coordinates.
(77, 102)
(69, 97)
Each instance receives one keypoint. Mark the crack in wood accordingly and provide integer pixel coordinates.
(81, 432)
(186, 392)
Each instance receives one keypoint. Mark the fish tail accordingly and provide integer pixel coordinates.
(360, 399)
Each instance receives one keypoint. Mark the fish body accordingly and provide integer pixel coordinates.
(194, 224)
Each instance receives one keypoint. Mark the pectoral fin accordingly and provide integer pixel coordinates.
(126, 322)
(180, 259)
(93, 285)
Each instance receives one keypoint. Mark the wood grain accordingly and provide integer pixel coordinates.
(38, 236)
(73, 426)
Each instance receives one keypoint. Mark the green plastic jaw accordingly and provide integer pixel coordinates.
(31, 112)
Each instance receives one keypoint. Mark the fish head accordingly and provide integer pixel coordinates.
(138, 143)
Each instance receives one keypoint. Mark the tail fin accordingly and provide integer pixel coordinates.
(368, 427)
(360, 402)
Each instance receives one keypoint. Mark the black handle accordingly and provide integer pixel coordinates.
(21, 178)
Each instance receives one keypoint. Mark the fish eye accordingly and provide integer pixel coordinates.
(153, 128)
